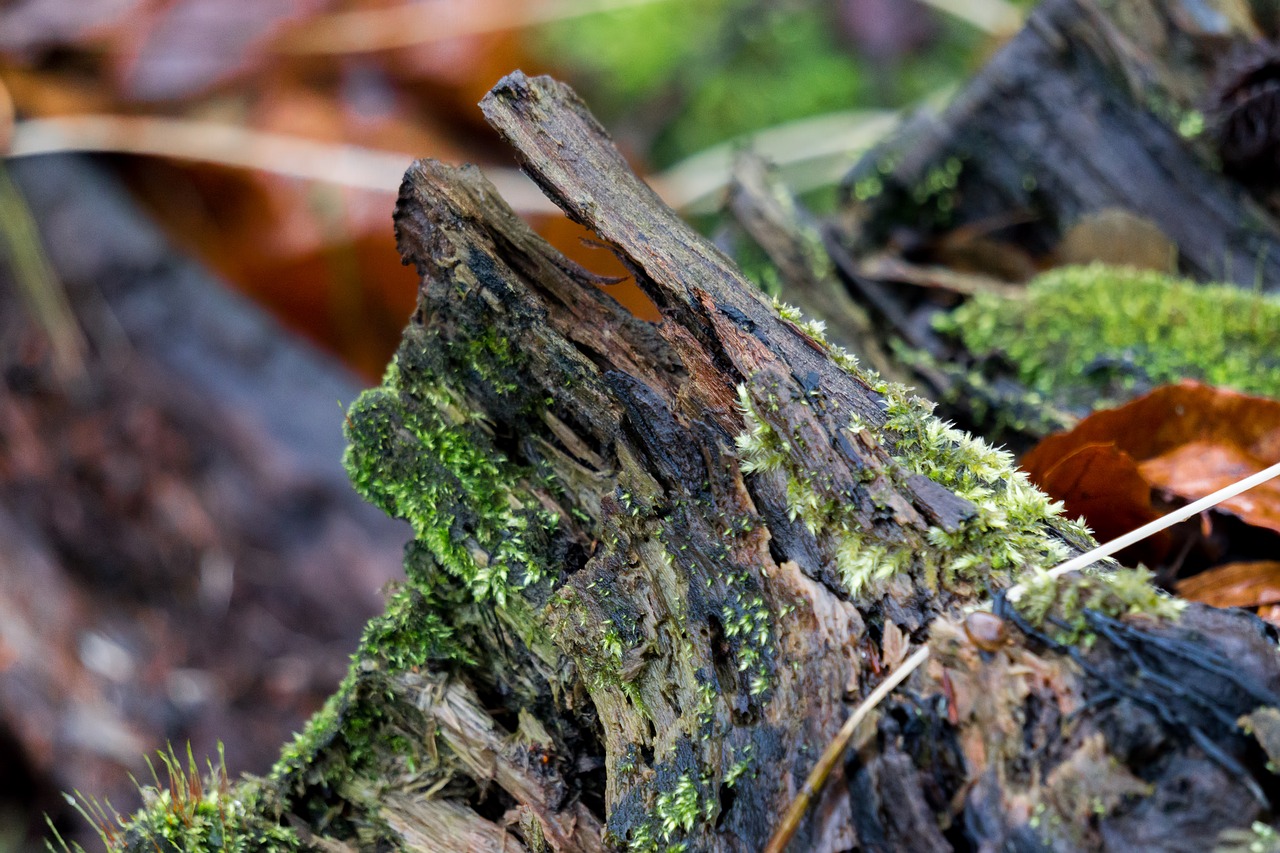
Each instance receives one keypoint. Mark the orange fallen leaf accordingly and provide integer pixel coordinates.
(1186, 440)
(1101, 483)
(1245, 584)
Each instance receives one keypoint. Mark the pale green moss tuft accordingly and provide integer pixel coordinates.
(739, 767)
(788, 312)
(1258, 838)
(680, 808)
(675, 813)
(1050, 603)
(185, 810)
(817, 329)
(1084, 331)
(1006, 533)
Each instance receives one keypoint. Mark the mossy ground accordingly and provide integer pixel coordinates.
(1090, 336)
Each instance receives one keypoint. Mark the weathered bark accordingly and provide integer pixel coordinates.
(657, 564)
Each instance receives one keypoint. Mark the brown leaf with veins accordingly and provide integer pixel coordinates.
(1186, 440)
(1098, 482)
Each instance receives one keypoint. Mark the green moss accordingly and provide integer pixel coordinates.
(1258, 838)
(489, 355)
(1009, 530)
(350, 730)
(1006, 533)
(936, 191)
(412, 632)
(687, 803)
(621, 71)
(683, 806)
(600, 660)
(1084, 334)
(318, 733)
(185, 811)
(1050, 603)
(817, 330)
(739, 767)
(341, 738)
(419, 454)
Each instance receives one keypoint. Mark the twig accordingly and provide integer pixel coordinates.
(1154, 527)
(823, 147)
(833, 752)
(7, 117)
(38, 284)
(241, 147)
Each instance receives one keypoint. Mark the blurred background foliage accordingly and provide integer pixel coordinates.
(711, 70)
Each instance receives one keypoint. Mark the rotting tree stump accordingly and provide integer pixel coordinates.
(656, 565)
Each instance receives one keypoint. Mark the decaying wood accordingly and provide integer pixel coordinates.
(702, 733)
(796, 245)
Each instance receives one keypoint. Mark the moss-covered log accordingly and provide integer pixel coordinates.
(656, 565)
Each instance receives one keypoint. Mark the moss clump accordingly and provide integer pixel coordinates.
(1084, 334)
(186, 811)
(1006, 533)
(690, 801)
(1058, 605)
(412, 633)
(1258, 838)
(225, 821)
(418, 453)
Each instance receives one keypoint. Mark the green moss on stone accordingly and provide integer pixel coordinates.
(1081, 332)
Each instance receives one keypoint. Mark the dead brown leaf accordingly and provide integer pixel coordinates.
(1098, 482)
(1245, 584)
(1186, 440)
